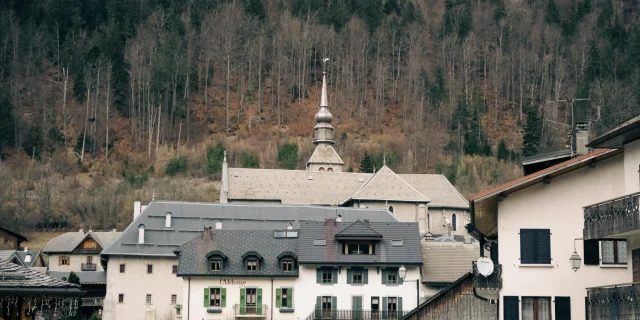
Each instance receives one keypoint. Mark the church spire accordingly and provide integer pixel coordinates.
(323, 128)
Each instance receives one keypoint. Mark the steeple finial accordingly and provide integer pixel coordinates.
(384, 158)
(323, 100)
(225, 156)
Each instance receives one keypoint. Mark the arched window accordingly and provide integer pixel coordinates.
(321, 169)
(453, 222)
(141, 233)
(330, 169)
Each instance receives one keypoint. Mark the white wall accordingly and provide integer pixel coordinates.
(135, 284)
(557, 206)
(75, 262)
(195, 309)
(631, 167)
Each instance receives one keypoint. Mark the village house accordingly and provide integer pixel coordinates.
(25, 258)
(10, 240)
(323, 270)
(538, 233)
(427, 199)
(142, 267)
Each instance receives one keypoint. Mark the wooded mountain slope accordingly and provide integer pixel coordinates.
(106, 101)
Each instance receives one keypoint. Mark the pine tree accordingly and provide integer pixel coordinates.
(366, 164)
(6, 120)
(503, 151)
(552, 15)
(532, 130)
(288, 155)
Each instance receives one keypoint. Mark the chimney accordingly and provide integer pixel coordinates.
(80, 230)
(167, 220)
(114, 230)
(136, 209)
(581, 138)
(141, 234)
(330, 222)
(339, 218)
(290, 226)
(26, 249)
(207, 234)
(366, 221)
(218, 225)
(224, 188)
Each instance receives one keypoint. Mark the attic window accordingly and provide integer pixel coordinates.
(359, 248)
(292, 234)
(397, 243)
(286, 234)
(279, 234)
(320, 242)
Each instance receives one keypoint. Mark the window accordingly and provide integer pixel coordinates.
(292, 234)
(215, 297)
(90, 244)
(320, 242)
(375, 304)
(391, 276)
(121, 298)
(174, 299)
(392, 304)
(287, 265)
(326, 303)
(174, 269)
(356, 276)
(397, 243)
(122, 268)
(89, 259)
(330, 169)
(535, 246)
(284, 298)
(321, 169)
(359, 248)
(279, 234)
(285, 234)
(536, 308)
(454, 220)
(614, 251)
(327, 276)
(149, 268)
(252, 264)
(63, 260)
(148, 299)
(216, 265)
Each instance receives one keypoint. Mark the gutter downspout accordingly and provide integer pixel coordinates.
(272, 298)
(189, 299)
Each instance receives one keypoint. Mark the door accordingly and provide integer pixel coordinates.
(251, 298)
(635, 255)
(375, 307)
(356, 307)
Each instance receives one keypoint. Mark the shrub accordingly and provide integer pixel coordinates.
(249, 160)
(177, 165)
(215, 155)
(288, 156)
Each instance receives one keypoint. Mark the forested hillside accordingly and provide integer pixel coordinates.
(106, 101)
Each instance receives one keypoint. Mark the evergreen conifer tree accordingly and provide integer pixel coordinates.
(532, 130)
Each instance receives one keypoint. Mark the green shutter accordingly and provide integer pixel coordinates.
(223, 297)
(356, 306)
(243, 301)
(334, 303)
(318, 275)
(207, 301)
(290, 298)
(365, 276)
(384, 276)
(400, 305)
(349, 276)
(384, 307)
(278, 298)
(318, 303)
(259, 300)
(334, 275)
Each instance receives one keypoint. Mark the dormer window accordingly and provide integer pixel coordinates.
(216, 260)
(287, 265)
(252, 261)
(359, 248)
(216, 264)
(252, 264)
(287, 261)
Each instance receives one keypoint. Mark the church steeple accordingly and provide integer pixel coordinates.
(324, 158)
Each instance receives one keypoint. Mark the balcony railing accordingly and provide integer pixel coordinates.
(612, 217)
(492, 282)
(618, 302)
(356, 315)
(250, 311)
(92, 302)
(88, 267)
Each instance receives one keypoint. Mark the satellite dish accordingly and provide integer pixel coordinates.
(485, 266)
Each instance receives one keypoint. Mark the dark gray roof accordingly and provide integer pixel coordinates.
(189, 218)
(20, 237)
(8, 254)
(86, 277)
(546, 156)
(19, 280)
(619, 136)
(68, 241)
(358, 229)
(235, 244)
(35, 254)
(408, 254)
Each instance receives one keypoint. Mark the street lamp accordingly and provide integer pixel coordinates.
(402, 272)
(575, 258)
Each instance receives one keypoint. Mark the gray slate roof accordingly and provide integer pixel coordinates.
(34, 257)
(387, 185)
(17, 280)
(331, 188)
(331, 253)
(12, 256)
(189, 218)
(234, 244)
(546, 156)
(445, 262)
(86, 277)
(358, 229)
(67, 242)
(324, 153)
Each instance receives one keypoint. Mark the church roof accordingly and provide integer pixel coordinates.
(387, 185)
(325, 153)
(329, 188)
(358, 229)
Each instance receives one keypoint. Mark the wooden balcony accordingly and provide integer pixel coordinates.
(250, 311)
(356, 315)
(617, 217)
(615, 302)
(488, 287)
(88, 267)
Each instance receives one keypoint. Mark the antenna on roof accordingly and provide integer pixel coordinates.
(153, 194)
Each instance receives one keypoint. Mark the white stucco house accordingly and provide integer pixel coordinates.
(533, 225)
(323, 270)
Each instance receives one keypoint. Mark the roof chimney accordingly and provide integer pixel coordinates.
(136, 209)
(581, 138)
(330, 222)
(26, 249)
(114, 230)
(290, 226)
(224, 188)
(208, 233)
(366, 221)
(218, 225)
(80, 230)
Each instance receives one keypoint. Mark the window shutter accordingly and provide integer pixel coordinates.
(591, 252)
(543, 246)
(259, 300)
(586, 307)
(400, 304)
(563, 308)
(511, 306)
(365, 276)
(278, 298)
(207, 301)
(635, 261)
(349, 276)
(527, 246)
(318, 275)
(494, 253)
(334, 275)
(384, 276)
(59, 260)
(223, 297)
(384, 307)
(243, 301)
(318, 303)
(290, 298)
(334, 303)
